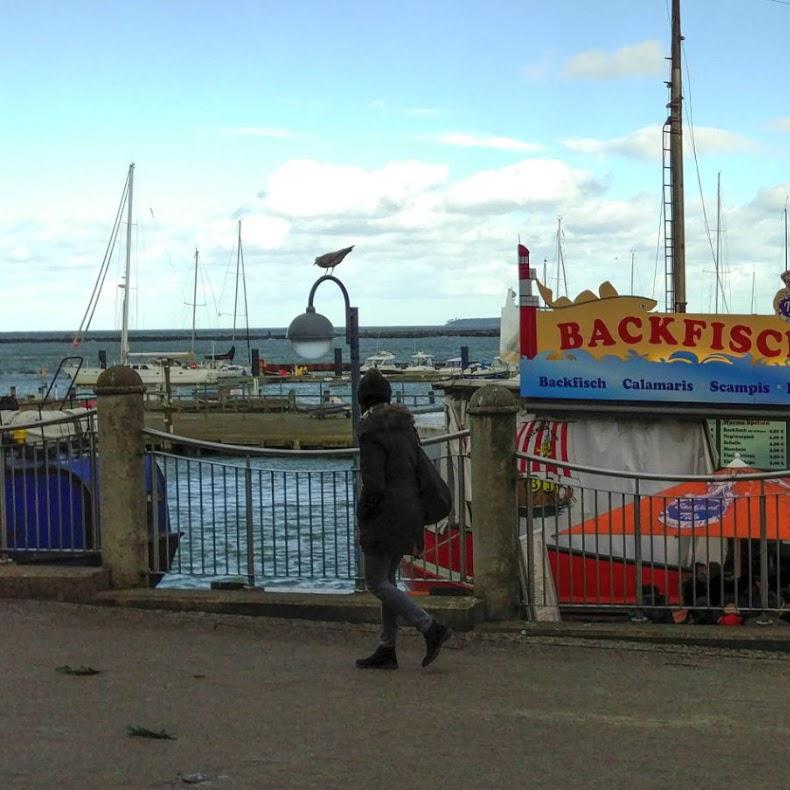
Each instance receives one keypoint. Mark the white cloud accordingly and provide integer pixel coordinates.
(644, 59)
(782, 124)
(256, 131)
(305, 187)
(710, 140)
(530, 182)
(376, 104)
(498, 143)
(645, 143)
(260, 232)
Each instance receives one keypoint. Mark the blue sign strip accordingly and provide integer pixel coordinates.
(729, 380)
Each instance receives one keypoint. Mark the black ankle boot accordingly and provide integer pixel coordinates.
(435, 637)
(382, 658)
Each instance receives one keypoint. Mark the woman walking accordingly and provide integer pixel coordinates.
(390, 517)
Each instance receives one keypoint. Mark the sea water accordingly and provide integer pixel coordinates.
(29, 360)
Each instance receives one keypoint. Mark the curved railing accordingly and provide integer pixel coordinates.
(269, 515)
(252, 451)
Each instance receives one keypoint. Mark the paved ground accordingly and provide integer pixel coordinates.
(273, 704)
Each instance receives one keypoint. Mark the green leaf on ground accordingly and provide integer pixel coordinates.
(136, 731)
(80, 670)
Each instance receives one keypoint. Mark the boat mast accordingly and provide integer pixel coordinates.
(246, 308)
(560, 259)
(236, 293)
(194, 301)
(676, 162)
(127, 272)
(718, 239)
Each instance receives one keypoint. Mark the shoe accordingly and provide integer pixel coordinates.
(382, 658)
(435, 637)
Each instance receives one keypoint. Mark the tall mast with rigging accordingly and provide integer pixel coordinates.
(236, 292)
(676, 163)
(127, 272)
(240, 271)
(718, 240)
(194, 301)
(561, 259)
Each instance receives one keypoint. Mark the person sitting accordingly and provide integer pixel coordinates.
(715, 584)
(655, 604)
(695, 586)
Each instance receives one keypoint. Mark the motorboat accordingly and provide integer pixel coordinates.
(421, 363)
(497, 369)
(451, 367)
(383, 361)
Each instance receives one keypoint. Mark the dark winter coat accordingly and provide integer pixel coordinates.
(389, 511)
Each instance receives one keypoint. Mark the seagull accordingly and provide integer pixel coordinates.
(331, 259)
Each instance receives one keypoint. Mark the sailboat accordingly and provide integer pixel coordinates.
(154, 368)
(228, 371)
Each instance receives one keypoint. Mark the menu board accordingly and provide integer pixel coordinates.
(761, 444)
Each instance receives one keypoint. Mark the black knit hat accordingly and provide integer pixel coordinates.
(373, 389)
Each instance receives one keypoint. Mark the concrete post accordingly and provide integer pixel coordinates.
(492, 422)
(124, 528)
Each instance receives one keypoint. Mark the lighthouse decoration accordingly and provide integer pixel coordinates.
(528, 305)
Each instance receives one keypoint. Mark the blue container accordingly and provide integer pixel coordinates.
(50, 506)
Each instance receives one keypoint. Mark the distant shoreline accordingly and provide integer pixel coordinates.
(277, 334)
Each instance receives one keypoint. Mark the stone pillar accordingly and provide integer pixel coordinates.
(492, 422)
(124, 528)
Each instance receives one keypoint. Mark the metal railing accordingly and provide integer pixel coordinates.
(271, 517)
(48, 487)
(666, 548)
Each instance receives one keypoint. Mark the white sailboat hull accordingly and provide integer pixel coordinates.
(154, 376)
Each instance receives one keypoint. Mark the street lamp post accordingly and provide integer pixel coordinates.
(311, 335)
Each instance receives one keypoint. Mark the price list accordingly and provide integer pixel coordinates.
(759, 443)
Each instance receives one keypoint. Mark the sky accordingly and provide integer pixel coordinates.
(432, 136)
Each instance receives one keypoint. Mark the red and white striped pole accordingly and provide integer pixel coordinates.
(528, 305)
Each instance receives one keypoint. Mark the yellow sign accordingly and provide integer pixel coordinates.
(621, 326)
(614, 347)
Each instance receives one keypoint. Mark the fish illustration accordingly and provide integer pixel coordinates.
(605, 291)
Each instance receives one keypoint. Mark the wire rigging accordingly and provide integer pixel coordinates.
(93, 302)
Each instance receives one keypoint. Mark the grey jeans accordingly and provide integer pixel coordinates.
(380, 575)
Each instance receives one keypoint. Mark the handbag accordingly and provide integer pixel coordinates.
(435, 496)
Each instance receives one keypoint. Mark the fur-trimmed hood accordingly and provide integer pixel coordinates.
(386, 417)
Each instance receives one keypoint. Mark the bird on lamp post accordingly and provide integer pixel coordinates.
(331, 259)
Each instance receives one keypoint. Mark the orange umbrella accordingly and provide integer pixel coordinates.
(726, 508)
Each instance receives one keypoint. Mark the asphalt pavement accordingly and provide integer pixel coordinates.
(258, 703)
